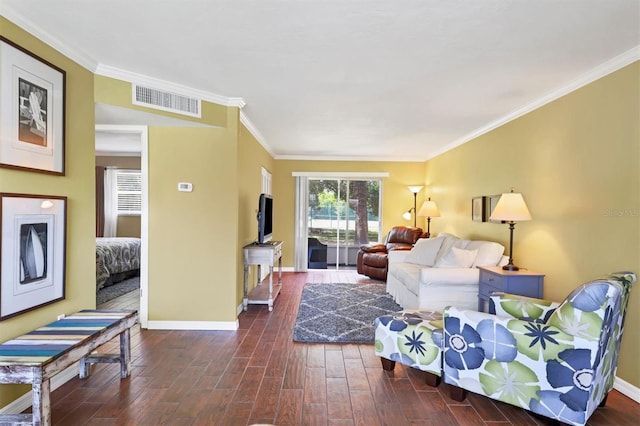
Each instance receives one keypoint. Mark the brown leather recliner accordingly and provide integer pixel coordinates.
(372, 258)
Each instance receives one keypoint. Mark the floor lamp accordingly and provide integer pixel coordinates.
(407, 215)
(511, 208)
(429, 209)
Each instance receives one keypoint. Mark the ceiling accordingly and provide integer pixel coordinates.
(359, 79)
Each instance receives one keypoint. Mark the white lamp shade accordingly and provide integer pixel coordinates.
(415, 188)
(511, 207)
(429, 209)
(406, 215)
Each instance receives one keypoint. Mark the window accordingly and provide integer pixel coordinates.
(129, 192)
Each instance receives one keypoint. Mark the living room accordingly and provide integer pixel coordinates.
(576, 161)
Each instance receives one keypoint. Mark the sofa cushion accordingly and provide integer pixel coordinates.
(457, 258)
(408, 274)
(450, 241)
(425, 251)
(489, 253)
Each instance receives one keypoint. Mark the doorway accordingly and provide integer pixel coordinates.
(124, 141)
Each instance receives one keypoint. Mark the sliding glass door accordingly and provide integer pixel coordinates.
(343, 214)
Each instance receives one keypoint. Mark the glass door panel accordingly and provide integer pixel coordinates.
(344, 214)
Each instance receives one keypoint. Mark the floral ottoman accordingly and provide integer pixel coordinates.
(412, 338)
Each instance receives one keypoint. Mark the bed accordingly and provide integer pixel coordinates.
(116, 260)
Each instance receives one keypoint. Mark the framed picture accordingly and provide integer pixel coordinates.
(33, 252)
(478, 210)
(491, 204)
(32, 111)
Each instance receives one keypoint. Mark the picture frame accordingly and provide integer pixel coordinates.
(478, 209)
(492, 201)
(32, 252)
(32, 111)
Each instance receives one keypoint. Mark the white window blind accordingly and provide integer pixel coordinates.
(129, 192)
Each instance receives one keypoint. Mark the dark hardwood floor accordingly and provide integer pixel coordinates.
(257, 374)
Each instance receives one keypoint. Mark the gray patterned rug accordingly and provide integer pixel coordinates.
(341, 313)
(108, 293)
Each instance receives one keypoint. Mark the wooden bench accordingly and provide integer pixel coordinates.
(34, 358)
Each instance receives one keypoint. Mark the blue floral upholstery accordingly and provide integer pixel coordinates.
(557, 360)
(412, 338)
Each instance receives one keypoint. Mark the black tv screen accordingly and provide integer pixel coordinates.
(265, 218)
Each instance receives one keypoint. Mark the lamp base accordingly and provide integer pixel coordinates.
(510, 267)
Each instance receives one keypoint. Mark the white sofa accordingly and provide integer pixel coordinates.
(441, 271)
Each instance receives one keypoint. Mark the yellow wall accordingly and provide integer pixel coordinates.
(576, 162)
(76, 184)
(192, 235)
(251, 157)
(396, 197)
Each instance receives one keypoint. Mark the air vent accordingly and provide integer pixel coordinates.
(166, 101)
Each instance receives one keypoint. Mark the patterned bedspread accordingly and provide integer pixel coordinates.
(114, 256)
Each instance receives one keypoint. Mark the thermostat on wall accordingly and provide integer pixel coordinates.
(185, 187)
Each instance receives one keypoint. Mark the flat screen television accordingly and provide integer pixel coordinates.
(265, 218)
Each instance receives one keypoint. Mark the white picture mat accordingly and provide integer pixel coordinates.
(17, 211)
(15, 64)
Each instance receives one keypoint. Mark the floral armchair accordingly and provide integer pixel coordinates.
(556, 360)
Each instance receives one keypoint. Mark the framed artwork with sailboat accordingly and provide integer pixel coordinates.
(33, 251)
(32, 111)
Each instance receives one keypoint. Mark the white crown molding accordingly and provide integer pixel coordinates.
(354, 175)
(596, 73)
(109, 71)
(600, 71)
(255, 132)
(358, 159)
(132, 77)
(85, 61)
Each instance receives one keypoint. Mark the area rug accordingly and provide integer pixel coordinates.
(108, 293)
(341, 313)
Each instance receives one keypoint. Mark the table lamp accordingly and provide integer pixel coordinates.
(429, 209)
(511, 208)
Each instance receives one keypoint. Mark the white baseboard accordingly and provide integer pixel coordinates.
(627, 389)
(193, 325)
(24, 402)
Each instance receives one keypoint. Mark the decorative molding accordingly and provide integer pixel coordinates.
(359, 159)
(600, 71)
(193, 325)
(141, 79)
(596, 73)
(627, 389)
(255, 132)
(363, 175)
(109, 71)
(13, 16)
(24, 402)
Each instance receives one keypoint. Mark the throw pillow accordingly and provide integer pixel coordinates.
(489, 253)
(424, 251)
(457, 258)
(448, 242)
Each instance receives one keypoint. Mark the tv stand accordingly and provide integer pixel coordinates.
(262, 254)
